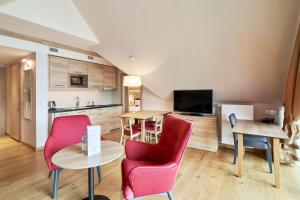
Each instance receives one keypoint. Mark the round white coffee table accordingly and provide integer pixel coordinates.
(73, 158)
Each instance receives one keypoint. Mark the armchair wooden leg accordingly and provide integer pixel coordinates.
(170, 195)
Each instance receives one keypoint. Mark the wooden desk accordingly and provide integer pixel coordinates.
(142, 116)
(257, 128)
(73, 158)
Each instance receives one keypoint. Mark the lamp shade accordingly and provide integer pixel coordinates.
(132, 81)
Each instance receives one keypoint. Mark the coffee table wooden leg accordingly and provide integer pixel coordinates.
(143, 130)
(276, 153)
(240, 154)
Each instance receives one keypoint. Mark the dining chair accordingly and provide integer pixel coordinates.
(150, 169)
(65, 131)
(154, 130)
(253, 141)
(129, 129)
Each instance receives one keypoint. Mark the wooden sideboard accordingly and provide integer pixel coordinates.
(205, 134)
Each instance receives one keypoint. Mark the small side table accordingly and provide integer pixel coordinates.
(73, 158)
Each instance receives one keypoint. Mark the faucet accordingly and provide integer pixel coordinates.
(77, 101)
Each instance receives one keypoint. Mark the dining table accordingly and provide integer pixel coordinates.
(73, 157)
(144, 115)
(272, 131)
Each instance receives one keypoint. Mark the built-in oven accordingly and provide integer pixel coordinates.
(78, 81)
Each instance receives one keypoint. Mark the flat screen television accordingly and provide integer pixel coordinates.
(197, 102)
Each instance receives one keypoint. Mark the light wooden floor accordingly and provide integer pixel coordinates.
(203, 175)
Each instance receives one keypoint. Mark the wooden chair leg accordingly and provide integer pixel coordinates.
(122, 139)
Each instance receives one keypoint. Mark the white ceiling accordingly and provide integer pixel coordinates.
(55, 20)
(240, 49)
(8, 55)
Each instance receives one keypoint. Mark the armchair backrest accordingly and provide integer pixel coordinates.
(174, 138)
(65, 131)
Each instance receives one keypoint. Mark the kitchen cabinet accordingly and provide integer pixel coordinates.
(95, 76)
(100, 77)
(99, 116)
(58, 72)
(78, 67)
(108, 118)
(110, 78)
(114, 117)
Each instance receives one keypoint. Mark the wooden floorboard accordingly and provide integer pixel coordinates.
(202, 176)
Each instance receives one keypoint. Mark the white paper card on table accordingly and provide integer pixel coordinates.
(93, 140)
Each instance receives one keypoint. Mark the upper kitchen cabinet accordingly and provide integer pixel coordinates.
(110, 78)
(58, 72)
(95, 76)
(78, 67)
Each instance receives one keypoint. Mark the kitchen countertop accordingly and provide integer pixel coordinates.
(59, 110)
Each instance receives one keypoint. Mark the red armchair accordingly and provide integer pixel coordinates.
(152, 168)
(65, 131)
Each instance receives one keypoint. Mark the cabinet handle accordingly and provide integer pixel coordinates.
(59, 85)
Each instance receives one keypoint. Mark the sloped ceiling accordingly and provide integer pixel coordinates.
(238, 48)
(55, 20)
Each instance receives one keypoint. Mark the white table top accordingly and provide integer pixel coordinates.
(73, 158)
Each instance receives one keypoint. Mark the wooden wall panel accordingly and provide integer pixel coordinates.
(2, 100)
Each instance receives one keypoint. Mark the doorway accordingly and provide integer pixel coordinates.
(10, 92)
(14, 107)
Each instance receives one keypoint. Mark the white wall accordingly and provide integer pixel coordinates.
(2, 99)
(41, 79)
(240, 49)
(66, 98)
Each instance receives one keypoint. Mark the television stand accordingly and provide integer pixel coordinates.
(205, 134)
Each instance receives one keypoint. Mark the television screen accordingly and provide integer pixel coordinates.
(193, 101)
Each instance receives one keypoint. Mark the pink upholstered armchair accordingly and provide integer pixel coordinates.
(65, 131)
(152, 168)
